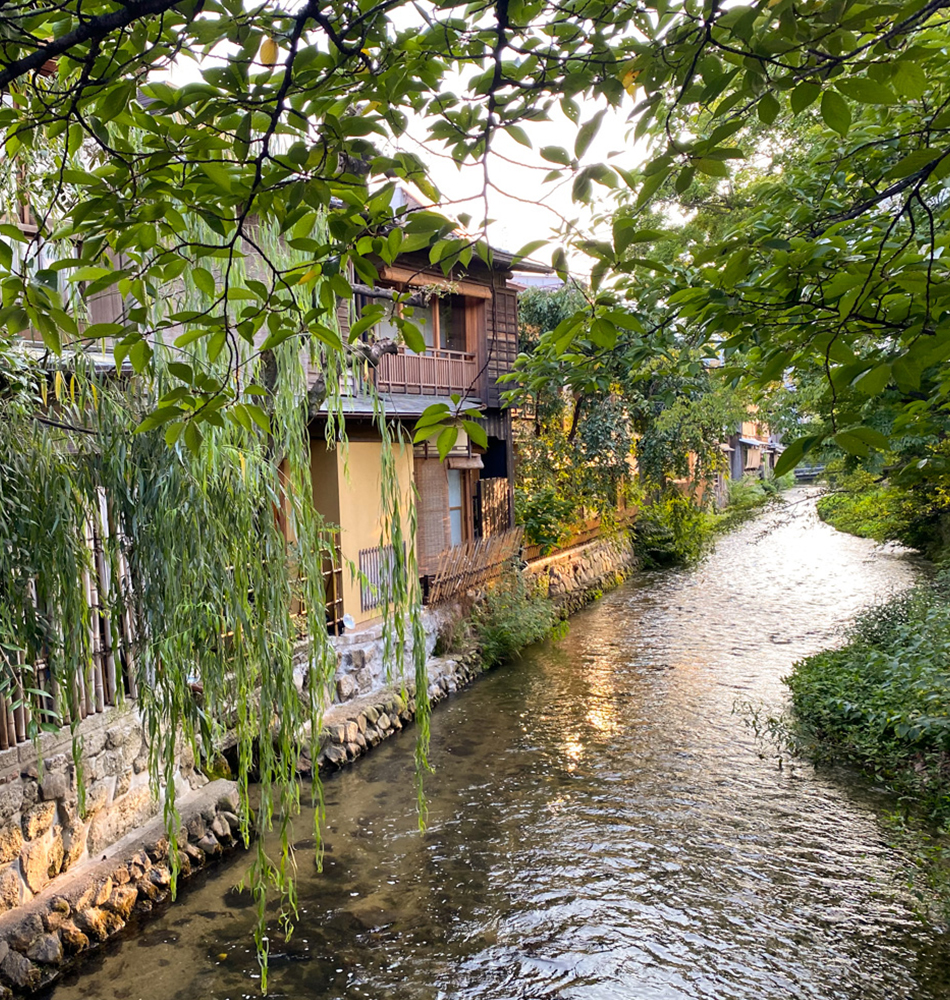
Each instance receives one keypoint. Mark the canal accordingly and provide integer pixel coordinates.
(602, 823)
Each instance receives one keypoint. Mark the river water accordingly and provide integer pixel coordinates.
(602, 824)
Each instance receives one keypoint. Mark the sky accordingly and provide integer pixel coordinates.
(524, 209)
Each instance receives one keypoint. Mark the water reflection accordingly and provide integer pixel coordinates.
(602, 825)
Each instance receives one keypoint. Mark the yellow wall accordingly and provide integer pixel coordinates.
(347, 485)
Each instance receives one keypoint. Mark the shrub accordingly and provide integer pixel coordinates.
(546, 516)
(508, 618)
(672, 530)
(883, 700)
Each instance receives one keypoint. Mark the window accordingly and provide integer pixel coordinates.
(455, 506)
(452, 323)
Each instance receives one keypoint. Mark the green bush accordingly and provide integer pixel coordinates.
(883, 701)
(672, 531)
(508, 618)
(546, 516)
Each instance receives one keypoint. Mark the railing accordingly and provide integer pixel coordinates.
(376, 568)
(435, 373)
(473, 564)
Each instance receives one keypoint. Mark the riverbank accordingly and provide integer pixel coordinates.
(55, 919)
(881, 701)
(600, 823)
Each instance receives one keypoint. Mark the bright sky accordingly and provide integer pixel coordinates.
(524, 209)
(521, 207)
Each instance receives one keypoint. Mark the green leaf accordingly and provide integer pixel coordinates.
(651, 185)
(874, 382)
(794, 453)
(835, 112)
(556, 154)
(476, 433)
(866, 91)
(914, 161)
(586, 133)
(870, 437)
(258, 416)
(518, 134)
(712, 168)
(768, 108)
(852, 444)
(804, 95)
(446, 441)
(412, 336)
(204, 280)
(193, 437)
(909, 80)
(217, 173)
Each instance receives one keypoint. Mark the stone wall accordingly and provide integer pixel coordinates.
(43, 831)
(577, 576)
(68, 881)
(91, 904)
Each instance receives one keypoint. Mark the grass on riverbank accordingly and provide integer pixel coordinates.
(882, 702)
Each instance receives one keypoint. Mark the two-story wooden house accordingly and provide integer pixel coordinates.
(469, 320)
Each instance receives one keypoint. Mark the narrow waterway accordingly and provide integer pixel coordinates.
(602, 825)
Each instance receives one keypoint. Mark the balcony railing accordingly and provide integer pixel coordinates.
(435, 373)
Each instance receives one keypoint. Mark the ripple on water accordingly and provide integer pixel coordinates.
(602, 825)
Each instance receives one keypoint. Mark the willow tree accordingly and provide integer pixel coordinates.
(155, 140)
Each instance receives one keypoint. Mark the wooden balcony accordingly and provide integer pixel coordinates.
(435, 373)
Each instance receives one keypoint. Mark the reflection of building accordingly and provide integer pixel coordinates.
(469, 321)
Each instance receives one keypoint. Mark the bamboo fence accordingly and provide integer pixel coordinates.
(473, 564)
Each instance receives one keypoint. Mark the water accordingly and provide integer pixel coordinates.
(602, 825)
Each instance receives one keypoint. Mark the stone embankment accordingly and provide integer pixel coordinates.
(59, 924)
(575, 577)
(70, 880)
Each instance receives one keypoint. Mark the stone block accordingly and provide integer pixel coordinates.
(122, 900)
(26, 931)
(335, 755)
(352, 731)
(337, 734)
(46, 949)
(55, 786)
(382, 722)
(11, 843)
(346, 688)
(38, 820)
(74, 845)
(74, 940)
(361, 722)
(103, 893)
(126, 813)
(209, 844)
(229, 800)
(18, 971)
(372, 715)
(35, 863)
(98, 924)
(220, 828)
(123, 782)
(11, 797)
(352, 751)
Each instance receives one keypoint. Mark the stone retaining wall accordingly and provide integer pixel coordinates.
(43, 833)
(62, 900)
(577, 576)
(42, 937)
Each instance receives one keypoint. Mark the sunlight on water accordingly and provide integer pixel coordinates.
(602, 824)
